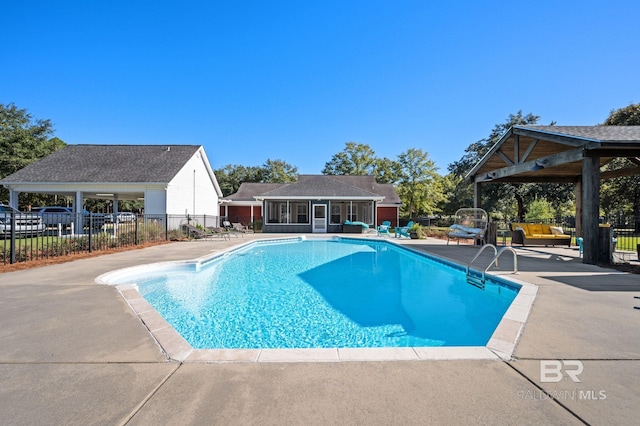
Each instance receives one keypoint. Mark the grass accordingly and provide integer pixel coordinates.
(628, 243)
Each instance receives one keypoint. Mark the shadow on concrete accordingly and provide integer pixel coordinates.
(603, 282)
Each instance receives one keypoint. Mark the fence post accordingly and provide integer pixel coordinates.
(136, 239)
(90, 233)
(166, 227)
(12, 245)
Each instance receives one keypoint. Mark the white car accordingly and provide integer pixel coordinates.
(54, 215)
(26, 224)
(125, 217)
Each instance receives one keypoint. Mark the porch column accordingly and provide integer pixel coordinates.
(477, 195)
(578, 191)
(115, 203)
(78, 214)
(13, 198)
(590, 208)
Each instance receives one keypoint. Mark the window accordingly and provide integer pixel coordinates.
(276, 212)
(336, 213)
(284, 212)
(355, 211)
(301, 212)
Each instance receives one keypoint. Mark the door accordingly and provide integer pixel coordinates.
(319, 218)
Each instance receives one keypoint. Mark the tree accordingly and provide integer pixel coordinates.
(357, 160)
(627, 116)
(278, 171)
(623, 193)
(231, 176)
(419, 188)
(495, 196)
(477, 150)
(272, 171)
(387, 171)
(23, 140)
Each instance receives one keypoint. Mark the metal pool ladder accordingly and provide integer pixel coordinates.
(479, 281)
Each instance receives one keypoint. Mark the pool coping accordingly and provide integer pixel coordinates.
(500, 346)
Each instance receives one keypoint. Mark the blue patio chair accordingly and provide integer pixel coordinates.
(404, 231)
(383, 228)
(579, 241)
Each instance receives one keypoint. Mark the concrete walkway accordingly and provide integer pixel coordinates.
(72, 352)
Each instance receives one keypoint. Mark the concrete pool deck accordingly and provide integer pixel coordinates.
(73, 352)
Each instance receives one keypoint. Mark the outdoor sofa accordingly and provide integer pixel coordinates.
(539, 234)
(354, 227)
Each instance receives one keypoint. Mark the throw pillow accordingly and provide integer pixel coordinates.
(556, 230)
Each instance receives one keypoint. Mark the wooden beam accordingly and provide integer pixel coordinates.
(626, 152)
(477, 195)
(505, 158)
(528, 151)
(533, 165)
(630, 171)
(579, 208)
(516, 149)
(537, 179)
(635, 160)
(590, 209)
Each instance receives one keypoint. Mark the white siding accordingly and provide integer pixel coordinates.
(192, 190)
(155, 201)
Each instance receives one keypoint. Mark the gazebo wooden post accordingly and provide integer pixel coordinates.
(590, 208)
(579, 208)
(477, 195)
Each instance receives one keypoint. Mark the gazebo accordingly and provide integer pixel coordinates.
(562, 154)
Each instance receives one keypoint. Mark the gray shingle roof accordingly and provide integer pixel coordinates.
(597, 133)
(248, 190)
(107, 163)
(319, 186)
(369, 183)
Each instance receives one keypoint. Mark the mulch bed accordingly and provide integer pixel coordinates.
(624, 267)
(71, 257)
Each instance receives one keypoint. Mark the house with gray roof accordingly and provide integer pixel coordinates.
(171, 179)
(314, 203)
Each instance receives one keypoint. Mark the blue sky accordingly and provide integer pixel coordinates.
(296, 80)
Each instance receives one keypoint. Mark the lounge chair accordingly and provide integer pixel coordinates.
(240, 227)
(202, 234)
(383, 228)
(470, 223)
(403, 231)
(231, 229)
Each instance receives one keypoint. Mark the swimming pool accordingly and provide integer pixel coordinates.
(329, 293)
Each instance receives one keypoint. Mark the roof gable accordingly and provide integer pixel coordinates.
(107, 163)
(320, 186)
(553, 153)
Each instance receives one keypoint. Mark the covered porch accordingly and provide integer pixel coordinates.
(563, 154)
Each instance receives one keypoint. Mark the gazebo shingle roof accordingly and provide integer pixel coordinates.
(595, 133)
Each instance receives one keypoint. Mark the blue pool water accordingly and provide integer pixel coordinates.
(325, 294)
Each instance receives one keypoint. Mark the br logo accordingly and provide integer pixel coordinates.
(552, 371)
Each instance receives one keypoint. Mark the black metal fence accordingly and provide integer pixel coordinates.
(62, 234)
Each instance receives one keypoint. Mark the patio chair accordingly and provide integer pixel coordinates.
(241, 228)
(383, 228)
(231, 229)
(202, 234)
(404, 231)
(470, 223)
